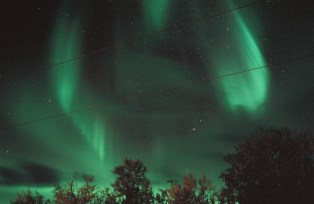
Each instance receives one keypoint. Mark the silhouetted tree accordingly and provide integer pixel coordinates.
(162, 197)
(190, 192)
(108, 197)
(72, 193)
(29, 197)
(275, 166)
(131, 185)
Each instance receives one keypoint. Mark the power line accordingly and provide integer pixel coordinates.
(143, 37)
(262, 67)
(150, 34)
(226, 75)
(132, 97)
(44, 118)
(147, 35)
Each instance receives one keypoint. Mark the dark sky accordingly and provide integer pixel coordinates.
(85, 84)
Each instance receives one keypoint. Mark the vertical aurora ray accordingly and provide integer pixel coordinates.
(66, 44)
(92, 127)
(156, 13)
(239, 50)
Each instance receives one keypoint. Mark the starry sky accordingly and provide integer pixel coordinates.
(176, 84)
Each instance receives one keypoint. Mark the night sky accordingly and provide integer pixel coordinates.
(86, 84)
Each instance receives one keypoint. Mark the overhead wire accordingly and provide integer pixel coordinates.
(263, 66)
(131, 97)
(44, 118)
(150, 34)
(128, 43)
(147, 36)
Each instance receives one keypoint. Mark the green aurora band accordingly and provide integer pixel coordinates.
(156, 13)
(240, 51)
(140, 72)
(66, 79)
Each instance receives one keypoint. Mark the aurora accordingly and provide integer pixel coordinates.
(95, 82)
(66, 80)
(239, 50)
(156, 13)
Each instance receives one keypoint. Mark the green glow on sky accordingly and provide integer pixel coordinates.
(156, 13)
(148, 73)
(240, 51)
(66, 45)
(63, 142)
(66, 81)
(162, 111)
(93, 128)
(14, 190)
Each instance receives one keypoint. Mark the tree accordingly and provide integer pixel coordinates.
(72, 193)
(29, 197)
(190, 192)
(275, 166)
(131, 185)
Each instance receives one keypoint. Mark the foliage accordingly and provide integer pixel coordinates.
(190, 192)
(29, 198)
(72, 193)
(131, 185)
(273, 167)
(161, 197)
(107, 197)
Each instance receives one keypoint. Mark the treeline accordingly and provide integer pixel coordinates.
(271, 167)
